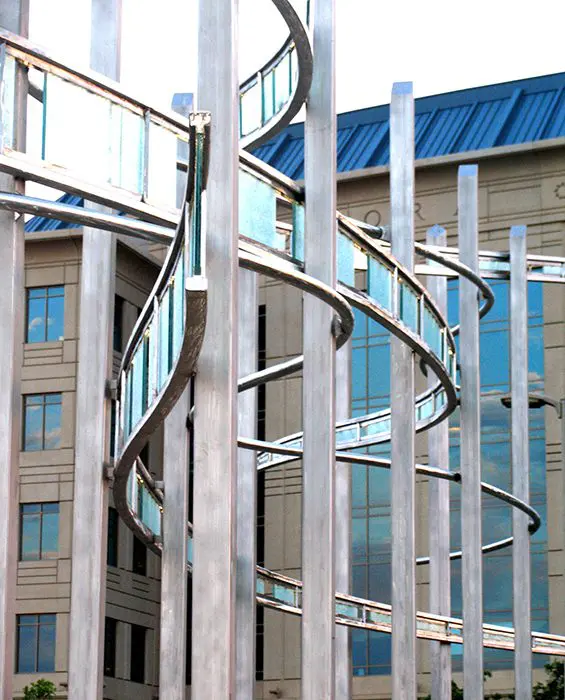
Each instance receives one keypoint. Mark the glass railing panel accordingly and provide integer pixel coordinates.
(425, 409)
(136, 374)
(190, 550)
(440, 400)
(377, 426)
(162, 166)
(284, 594)
(178, 304)
(345, 435)
(127, 407)
(345, 260)
(152, 341)
(268, 84)
(164, 335)
(408, 303)
(127, 147)
(297, 244)
(282, 83)
(250, 105)
(432, 332)
(77, 125)
(350, 611)
(149, 511)
(379, 283)
(7, 98)
(257, 210)
(494, 265)
(378, 617)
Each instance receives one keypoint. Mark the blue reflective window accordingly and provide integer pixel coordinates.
(42, 422)
(36, 643)
(45, 314)
(39, 531)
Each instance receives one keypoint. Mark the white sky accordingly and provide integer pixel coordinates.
(440, 45)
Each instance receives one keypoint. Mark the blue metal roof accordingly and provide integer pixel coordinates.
(42, 223)
(517, 112)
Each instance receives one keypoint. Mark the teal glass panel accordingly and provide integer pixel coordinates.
(127, 135)
(7, 97)
(284, 594)
(257, 210)
(376, 427)
(268, 95)
(345, 260)
(152, 388)
(150, 513)
(137, 374)
(251, 109)
(282, 83)
(432, 332)
(346, 434)
(178, 304)
(131, 497)
(425, 410)
(379, 283)
(298, 232)
(77, 124)
(190, 550)
(127, 404)
(164, 337)
(408, 307)
(162, 166)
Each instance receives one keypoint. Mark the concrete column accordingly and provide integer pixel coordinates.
(471, 529)
(93, 411)
(343, 669)
(403, 483)
(14, 16)
(318, 386)
(215, 419)
(521, 571)
(438, 508)
(172, 656)
(246, 506)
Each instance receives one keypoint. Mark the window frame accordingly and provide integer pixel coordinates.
(43, 405)
(46, 297)
(41, 514)
(38, 625)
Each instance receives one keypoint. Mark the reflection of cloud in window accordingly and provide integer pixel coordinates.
(35, 323)
(52, 438)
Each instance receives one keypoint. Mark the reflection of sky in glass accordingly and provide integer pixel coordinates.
(42, 422)
(39, 531)
(371, 487)
(45, 314)
(36, 643)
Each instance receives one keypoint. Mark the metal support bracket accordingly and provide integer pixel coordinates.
(111, 389)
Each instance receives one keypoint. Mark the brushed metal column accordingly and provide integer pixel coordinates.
(343, 668)
(318, 388)
(215, 420)
(521, 571)
(438, 508)
(172, 647)
(92, 437)
(246, 505)
(470, 397)
(14, 16)
(402, 406)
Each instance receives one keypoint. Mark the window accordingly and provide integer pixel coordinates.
(42, 422)
(39, 531)
(36, 643)
(118, 323)
(137, 658)
(112, 553)
(139, 559)
(45, 314)
(110, 627)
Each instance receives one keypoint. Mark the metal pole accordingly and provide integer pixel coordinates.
(521, 575)
(246, 505)
(343, 668)
(471, 530)
(14, 16)
(92, 442)
(438, 509)
(172, 649)
(318, 388)
(402, 405)
(215, 431)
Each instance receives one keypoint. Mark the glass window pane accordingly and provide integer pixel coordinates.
(50, 536)
(46, 646)
(379, 283)
(30, 536)
(35, 320)
(408, 307)
(33, 425)
(27, 645)
(52, 439)
(55, 318)
(257, 209)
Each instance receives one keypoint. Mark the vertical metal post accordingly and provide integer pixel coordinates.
(172, 649)
(246, 504)
(215, 420)
(343, 670)
(402, 405)
(14, 16)
(92, 442)
(521, 574)
(318, 388)
(471, 530)
(438, 509)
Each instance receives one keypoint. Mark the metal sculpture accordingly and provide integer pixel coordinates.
(188, 330)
